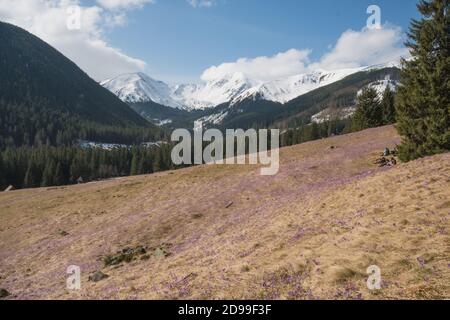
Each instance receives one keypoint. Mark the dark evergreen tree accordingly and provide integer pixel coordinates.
(315, 132)
(368, 111)
(59, 177)
(134, 163)
(48, 176)
(158, 163)
(423, 99)
(388, 106)
(2, 172)
(32, 178)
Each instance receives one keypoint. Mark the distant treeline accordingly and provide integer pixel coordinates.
(34, 124)
(29, 167)
(315, 131)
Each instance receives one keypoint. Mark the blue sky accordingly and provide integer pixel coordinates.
(175, 41)
(178, 42)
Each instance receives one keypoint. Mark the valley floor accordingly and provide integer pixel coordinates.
(226, 232)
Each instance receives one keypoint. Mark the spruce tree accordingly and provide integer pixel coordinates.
(423, 99)
(157, 161)
(31, 179)
(48, 175)
(2, 174)
(315, 131)
(134, 163)
(388, 106)
(368, 111)
(59, 178)
(75, 170)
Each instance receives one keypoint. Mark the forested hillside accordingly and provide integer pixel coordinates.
(45, 99)
(48, 105)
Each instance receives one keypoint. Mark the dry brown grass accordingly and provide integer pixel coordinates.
(309, 232)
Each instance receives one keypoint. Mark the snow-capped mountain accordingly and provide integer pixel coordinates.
(134, 88)
(212, 93)
(138, 87)
(233, 88)
(284, 90)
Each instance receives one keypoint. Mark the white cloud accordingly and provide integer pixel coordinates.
(262, 68)
(353, 49)
(123, 4)
(202, 3)
(87, 46)
(365, 47)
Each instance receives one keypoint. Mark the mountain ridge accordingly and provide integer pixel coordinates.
(233, 88)
(255, 110)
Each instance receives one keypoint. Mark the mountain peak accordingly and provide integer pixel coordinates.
(140, 88)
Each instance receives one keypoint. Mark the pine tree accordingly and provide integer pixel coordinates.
(423, 99)
(315, 132)
(157, 161)
(368, 111)
(134, 164)
(388, 106)
(59, 178)
(31, 179)
(48, 174)
(75, 170)
(2, 174)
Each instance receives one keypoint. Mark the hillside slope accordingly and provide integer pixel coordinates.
(46, 98)
(226, 232)
(33, 71)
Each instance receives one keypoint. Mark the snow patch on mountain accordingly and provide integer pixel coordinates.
(216, 118)
(381, 85)
(163, 122)
(333, 114)
(186, 94)
(391, 64)
(114, 146)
